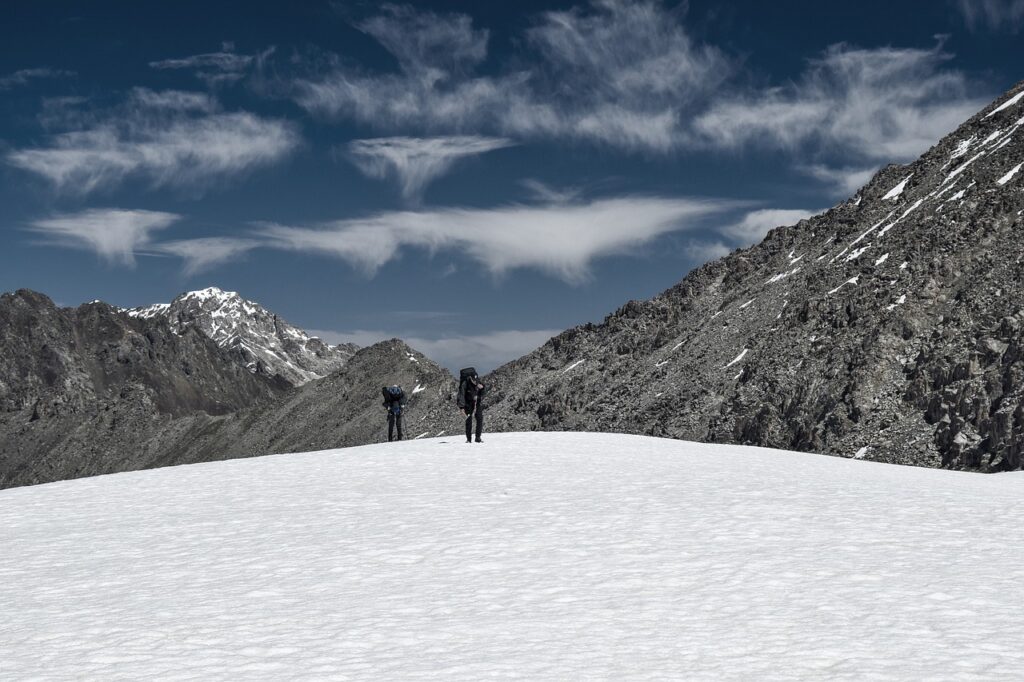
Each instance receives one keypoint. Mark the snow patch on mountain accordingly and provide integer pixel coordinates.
(737, 358)
(1009, 176)
(1007, 104)
(898, 189)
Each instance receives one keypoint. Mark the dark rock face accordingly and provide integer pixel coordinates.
(889, 327)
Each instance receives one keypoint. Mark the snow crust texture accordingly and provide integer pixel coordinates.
(538, 556)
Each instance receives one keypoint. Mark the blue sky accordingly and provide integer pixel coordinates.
(472, 177)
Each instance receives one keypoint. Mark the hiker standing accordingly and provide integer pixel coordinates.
(470, 401)
(394, 402)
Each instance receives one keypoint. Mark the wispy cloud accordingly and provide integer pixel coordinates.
(427, 45)
(635, 73)
(560, 240)
(203, 253)
(113, 234)
(415, 161)
(215, 68)
(23, 76)
(484, 351)
(640, 81)
(169, 138)
(755, 225)
(844, 180)
(992, 15)
(704, 251)
(171, 101)
(547, 194)
(868, 105)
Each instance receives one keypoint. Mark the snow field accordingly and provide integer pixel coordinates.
(545, 556)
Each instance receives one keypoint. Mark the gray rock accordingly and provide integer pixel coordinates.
(889, 321)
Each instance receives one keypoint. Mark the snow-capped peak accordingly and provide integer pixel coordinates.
(208, 293)
(258, 338)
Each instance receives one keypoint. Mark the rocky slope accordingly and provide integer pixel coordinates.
(339, 410)
(95, 390)
(79, 388)
(890, 327)
(255, 337)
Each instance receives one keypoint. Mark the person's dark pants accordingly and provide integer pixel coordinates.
(393, 421)
(479, 413)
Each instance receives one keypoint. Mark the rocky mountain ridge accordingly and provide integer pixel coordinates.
(887, 328)
(255, 337)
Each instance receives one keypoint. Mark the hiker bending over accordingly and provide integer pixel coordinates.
(470, 401)
(394, 401)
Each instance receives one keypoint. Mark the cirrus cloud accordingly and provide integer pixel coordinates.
(880, 105)
(755, 225)
(641, 82)
(216, 68)
(415, 162)
(23, 76)
(634, 68)
(994, 15)
(113, 234)
(202, 253)
(558, 239)
(168, 138)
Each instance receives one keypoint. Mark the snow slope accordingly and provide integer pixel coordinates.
(543, 556)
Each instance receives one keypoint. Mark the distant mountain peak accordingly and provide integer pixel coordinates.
(255, 336)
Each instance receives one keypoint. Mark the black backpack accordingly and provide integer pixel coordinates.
(466, 376)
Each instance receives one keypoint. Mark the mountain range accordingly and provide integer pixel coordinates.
(888, 328)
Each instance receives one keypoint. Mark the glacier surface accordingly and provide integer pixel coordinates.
(544, 556)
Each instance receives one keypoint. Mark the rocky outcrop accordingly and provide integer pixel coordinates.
(888, 327)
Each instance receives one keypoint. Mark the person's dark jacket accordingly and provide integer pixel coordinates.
(469, 394)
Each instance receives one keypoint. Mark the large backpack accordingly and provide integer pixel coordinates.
(466, 375)
(393, 396)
